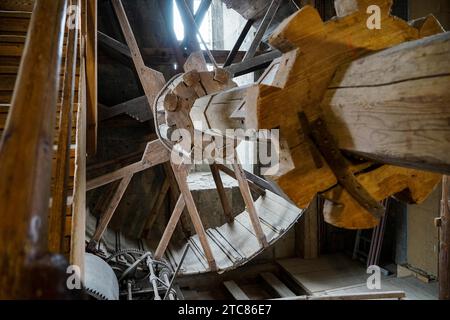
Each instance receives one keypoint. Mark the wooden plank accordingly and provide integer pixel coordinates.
(279, 287)
(235, 291)
(108, 214)
(398, 295)
(325, 273)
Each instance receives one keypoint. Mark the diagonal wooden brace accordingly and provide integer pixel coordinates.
(325, 143)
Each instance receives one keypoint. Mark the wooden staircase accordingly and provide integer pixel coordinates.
(64, 234)
(14, 21)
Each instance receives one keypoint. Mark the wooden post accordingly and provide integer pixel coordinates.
(78, 234)
(26, 151)
(444, 237)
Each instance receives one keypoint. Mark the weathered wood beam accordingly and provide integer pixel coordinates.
(257, 63)
(108, 214)
(257, 189)
(235, 290)
(267, 20)
(398, 295)
(154, 154)
(162, 54)
(190, 31)
(444, 242)
(25, 163)
(395, 113)
(233, 53)
(152, 81)
(137, 108)
(113, 44)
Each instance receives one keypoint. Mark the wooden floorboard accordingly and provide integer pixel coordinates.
(338, 274)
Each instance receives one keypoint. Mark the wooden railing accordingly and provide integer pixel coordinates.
(31, 264)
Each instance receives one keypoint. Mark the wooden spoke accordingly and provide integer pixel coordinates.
(248, 200)
(181, 173)
(108, 214)
(154, 154)
(168, 233)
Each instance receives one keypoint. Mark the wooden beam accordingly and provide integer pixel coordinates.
(249, 204)
(235, 291)
(113, 44)
(228, 212)
(398, 295)
(392, 113)
(267, 20)
(233, 53)
(154, 154)
(259, 190)
(170, 228)
(108, 214)
(163, 54)
(257, 63)
(190, 31)
(181, 173)
(78, 234)
(307, 232)
(279, 287)
(91, 75)
(25, 162)
(444, 242)
(167, 10)
(152, 81)
(137, 108)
